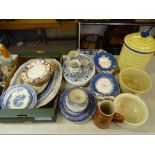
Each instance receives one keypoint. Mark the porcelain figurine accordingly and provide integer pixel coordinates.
(6, 60)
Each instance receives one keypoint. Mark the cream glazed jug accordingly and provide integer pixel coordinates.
(137, 50)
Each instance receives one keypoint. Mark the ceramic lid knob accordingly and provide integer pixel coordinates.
(145, 34)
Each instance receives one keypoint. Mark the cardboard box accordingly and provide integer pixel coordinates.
(47, 113)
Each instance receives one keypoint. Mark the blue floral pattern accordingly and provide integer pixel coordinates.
(82, 78)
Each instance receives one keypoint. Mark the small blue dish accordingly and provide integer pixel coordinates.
(105, 62)
(79, 117)
(17, 97)
(103, 85)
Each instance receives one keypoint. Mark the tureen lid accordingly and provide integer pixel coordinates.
(141, 42)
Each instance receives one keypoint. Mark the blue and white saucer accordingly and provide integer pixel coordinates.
(103, 85)
(83, 77)
(18, 97)
(105, 62)
(78, 117)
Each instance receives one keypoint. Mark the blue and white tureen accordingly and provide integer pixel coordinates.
(82, 110)
(18, 97)
(104, 85)
(105, 62)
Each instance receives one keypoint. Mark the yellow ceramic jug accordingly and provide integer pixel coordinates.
(137, 50)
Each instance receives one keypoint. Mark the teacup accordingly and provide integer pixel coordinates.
(73, 55)
(105, 114)
(85, 63)
(132, 108)
(134, 80)
(78, 96)
(77, 100)
(75, 67)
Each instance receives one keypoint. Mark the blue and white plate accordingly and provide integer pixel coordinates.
(17, 80)
(103, 85)
(18, 97)
(82, 78)
(79, 117)
(105, 62)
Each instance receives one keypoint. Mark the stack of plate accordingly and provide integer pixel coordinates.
(42, 75)
(77, 104)
(38, 72)
(18, 97)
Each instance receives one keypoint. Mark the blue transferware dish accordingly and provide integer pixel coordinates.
(105, 62)
(103, 85)
(18, 97)
(83, 77)
(77, 117)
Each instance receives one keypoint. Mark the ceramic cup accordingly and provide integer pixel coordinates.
(73, 55)
(85, 63)
(75, 67)
(105, 114)
(133, 109)
(78, 96)
(77, 100)
(134, 80)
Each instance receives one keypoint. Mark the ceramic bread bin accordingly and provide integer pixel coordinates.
(137, 50)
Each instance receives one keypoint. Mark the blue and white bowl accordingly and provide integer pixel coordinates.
(105, 62)
(103, 85)
(18, 97)
(78, 117)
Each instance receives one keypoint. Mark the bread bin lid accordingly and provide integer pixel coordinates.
(141, 42)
